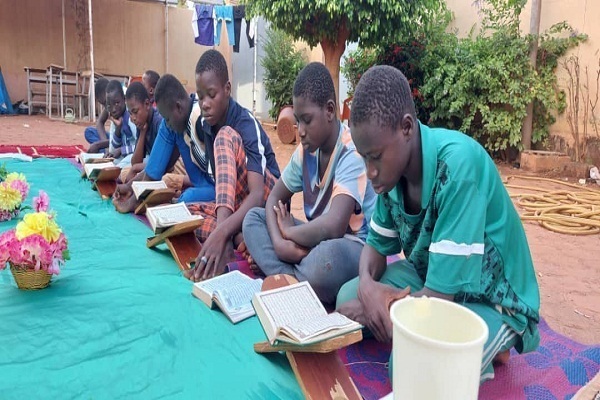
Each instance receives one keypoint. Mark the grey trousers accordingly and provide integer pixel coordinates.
(327, 267)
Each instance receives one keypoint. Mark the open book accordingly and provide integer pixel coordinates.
(294, 314)
(231, 292)
(84, 158)
(92, 170)
(163, 217)
(141, 189)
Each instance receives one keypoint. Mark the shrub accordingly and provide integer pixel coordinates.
(356, 64)
(282, 63)
(482, 84)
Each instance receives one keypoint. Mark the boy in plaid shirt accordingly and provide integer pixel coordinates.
(236, 153)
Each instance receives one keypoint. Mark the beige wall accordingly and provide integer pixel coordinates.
(582, 15)
(129, 37)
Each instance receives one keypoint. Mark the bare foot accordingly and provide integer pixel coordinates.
(354, 310)
(125, 205)
(502, 357)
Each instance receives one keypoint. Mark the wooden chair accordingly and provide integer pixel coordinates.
(37, 86)
(54, 74)
(86, 86)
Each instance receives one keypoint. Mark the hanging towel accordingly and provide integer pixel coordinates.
(250, 25)
(239, 13)
(224, 13)
(203, 25)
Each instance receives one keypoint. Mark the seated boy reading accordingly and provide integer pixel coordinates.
(338, 198)
(442, 202)
(236, 153)
(147, 121)
(174, 134)
(149, 80)
(122, 130)
(98, 133)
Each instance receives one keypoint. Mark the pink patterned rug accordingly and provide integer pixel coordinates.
(555, 371)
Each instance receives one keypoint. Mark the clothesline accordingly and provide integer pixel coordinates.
(207, 22)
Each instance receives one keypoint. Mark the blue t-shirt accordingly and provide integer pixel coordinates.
(259, 152)
(164, 144)
(153, 129)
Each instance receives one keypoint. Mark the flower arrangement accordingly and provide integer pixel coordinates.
(37, 244)
(13, 191)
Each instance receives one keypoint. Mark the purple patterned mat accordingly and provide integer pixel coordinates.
(555, 371)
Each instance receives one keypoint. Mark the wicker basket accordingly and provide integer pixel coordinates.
(30, 279)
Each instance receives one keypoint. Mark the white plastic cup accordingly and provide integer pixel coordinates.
(437, 349)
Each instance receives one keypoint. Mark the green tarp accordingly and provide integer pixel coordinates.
(120, 320)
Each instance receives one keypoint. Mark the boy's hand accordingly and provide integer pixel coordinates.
(130, 175)
(289, 252)
(376, 299)
(94, 148)
(116, 153)
(285, 220)
(216, 252)
(117, 121)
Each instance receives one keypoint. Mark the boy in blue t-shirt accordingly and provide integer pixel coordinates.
(338, 198)
(443, 204)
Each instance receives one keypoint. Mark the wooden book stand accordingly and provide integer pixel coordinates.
(318, 368)
(181, 241)
(105, 181)
(157, 197)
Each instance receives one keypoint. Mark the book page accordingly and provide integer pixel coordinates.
(291, 304)
(238, 296)
(83, 158)
(90, 167)
(223, 281)
(171, 214)
(305, 330)
(140, 186)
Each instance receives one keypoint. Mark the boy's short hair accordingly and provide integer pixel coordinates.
(169, 90)
(115, 86)
(314, 83)
(137, 91)
(100, 87)
(212, 60)
(383, 96)
(153, 77)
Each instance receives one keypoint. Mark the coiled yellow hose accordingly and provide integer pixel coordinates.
(573, 212)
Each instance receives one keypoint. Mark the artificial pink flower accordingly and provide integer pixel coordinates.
(41, 202)
(22, 187)
(33, 251)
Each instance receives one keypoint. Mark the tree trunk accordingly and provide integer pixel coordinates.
(333, 51)
(534, 29)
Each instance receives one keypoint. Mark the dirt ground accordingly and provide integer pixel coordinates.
(568, 267)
